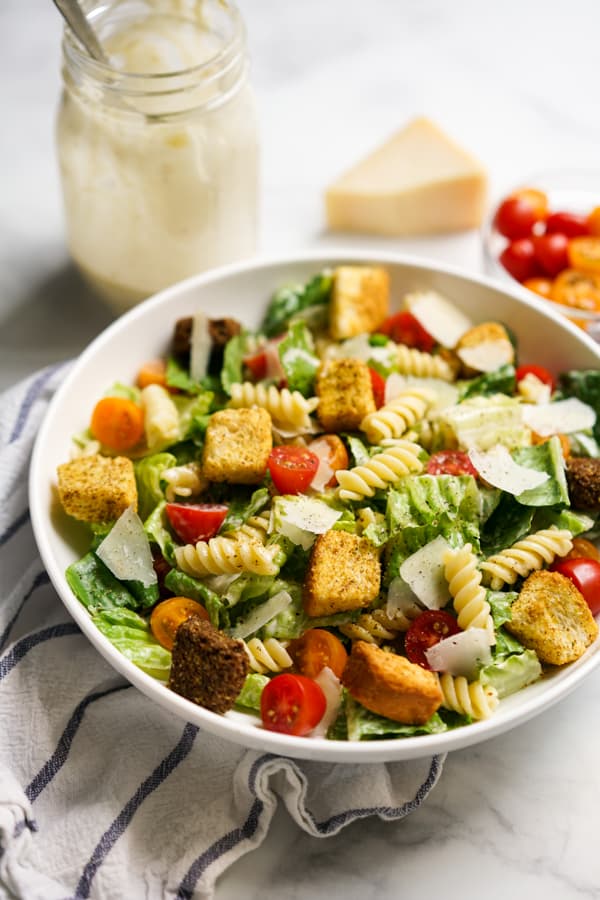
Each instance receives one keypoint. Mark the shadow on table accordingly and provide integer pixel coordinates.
(55, 320)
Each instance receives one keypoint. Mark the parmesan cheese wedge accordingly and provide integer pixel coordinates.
(561, 417)
(417, 182)
(500, 470)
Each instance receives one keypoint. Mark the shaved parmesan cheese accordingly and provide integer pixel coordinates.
(423, 571)
(401, 599)
(360, 347)
(332, 688)
(532, 390)
(444, 322)
(562, 417)
(498, 468)
(200, 346)
(462, 653)
(301, 518)
(324, 473)
(126, 551)
(262, 614)
(274, 368)
(487, 356)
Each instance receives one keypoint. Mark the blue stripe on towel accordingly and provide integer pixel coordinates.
(33, 392)
(22, 648)
(227, 841)
(14, 527)
(60, 755)
(118, 826)
(40, 579)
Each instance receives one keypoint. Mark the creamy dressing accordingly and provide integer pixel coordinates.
(160, 175)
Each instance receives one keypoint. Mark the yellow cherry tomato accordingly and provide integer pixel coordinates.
(593, 221)
(580, 290)
(541, 286)
(584, 253)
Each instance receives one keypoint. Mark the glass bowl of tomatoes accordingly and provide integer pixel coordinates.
(544, 234)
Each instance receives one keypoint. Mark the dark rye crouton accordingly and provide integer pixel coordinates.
(97, 488)
(583, 479)
(208, 667)
(390, 685)
(345, 394)
(551, 617)
(344, 572)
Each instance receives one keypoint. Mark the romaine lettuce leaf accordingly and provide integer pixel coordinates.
(131, 635)
(298, 359)
(364, 725)
(249, 696)
(96, 587)
(500, 381)
(147, 477)
(183, 585)
(292, 300)
(509, 522)
(585, 385)
(511, 673)
(548, 458)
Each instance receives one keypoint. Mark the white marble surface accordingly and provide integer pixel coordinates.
(516, 82)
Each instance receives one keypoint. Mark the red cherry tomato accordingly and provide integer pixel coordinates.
(404, 328)
(593, 221)
(570, 224)
(292, 704)
(515, 217)
(551, 252)
(378, 385)
(194, 522)
(257, 365)
(451, 462)
(539, 371)
(519, 259)
(428, 629)
(292, 468)
(585, 575)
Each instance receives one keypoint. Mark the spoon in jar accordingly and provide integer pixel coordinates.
(85, 34)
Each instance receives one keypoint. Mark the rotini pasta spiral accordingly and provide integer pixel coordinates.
(397, 459)
(471, 699)
(256, 527)
(227, 554)
(377, 626)
(288, 409)
(393, 419)
(184, 481)
(269, 655)
(423, 365)
(526, 556)
(464, 582)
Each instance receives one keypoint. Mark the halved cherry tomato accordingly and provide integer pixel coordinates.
(541, 286)
(316, 649)
(194, 522)
(451, 462)
(118, 423)
(582, 548)
(167, 617)
(580, 290)
(404, 328)
(584, 254)
(540, 373)
(292, 468)
(428, 629)
(378, 385)
(593, 221)
(519, 259)
(256, 365)
(154, 371)
(568, 223)
(551, 252)
(292, 704)
(585, 575)
(333, 450)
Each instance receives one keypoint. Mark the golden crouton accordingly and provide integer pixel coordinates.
(390, 685)
(237, 446)
(359, 301)
(97, 488)
(484, 346)
(345, 394)
(344, 572)
(551, 617)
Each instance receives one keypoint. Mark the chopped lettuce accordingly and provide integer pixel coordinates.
(236, 348)
(193, 415)
(511, 673)
(363, 725)
(585, 385)
(548, 458)
(509, 522)
(500, 381)
(243, 503)
(131, 635)
(183, 585)
(147, 476)
(96, 587)
(158, 533)
(249, 696)
(481, 422)
(291, 301)
(298, 359)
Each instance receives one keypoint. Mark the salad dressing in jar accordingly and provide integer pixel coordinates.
(158, 151)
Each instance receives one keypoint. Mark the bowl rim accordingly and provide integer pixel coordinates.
(255, 738)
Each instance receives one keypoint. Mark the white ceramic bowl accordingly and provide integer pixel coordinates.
(242, 291)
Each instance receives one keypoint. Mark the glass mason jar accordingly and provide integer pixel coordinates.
(158, 151)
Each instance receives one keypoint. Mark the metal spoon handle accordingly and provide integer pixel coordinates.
(77, 21)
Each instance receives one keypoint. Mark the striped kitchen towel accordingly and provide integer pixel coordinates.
(102, 793)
